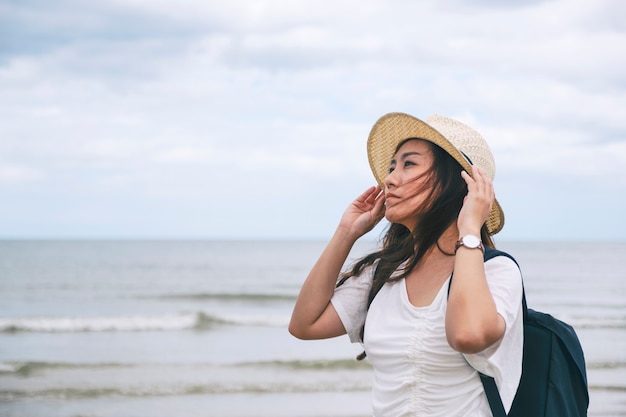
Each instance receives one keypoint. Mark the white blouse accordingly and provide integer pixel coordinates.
(416, 372)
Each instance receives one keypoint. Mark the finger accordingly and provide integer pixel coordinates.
(467, 177)
(479, 178)
(376, 190)
(380, 202)
(478, 174)
(488, 184)
(366, 195)
(374, 194)
(379, 208)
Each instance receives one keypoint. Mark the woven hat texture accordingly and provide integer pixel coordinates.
(462, 142)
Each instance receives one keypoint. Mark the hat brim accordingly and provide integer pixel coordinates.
(392, 129)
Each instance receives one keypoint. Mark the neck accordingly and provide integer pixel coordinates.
(444, 248)
(448, 240)
(438, 261)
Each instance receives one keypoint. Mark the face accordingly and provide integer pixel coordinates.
(407, 185)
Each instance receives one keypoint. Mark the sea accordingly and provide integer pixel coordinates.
(196, 328)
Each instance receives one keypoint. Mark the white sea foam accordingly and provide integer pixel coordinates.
(173, 322)
(101, 324)
(261, 320)
(10, 367)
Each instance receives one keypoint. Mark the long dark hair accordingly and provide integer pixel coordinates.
(438, 212)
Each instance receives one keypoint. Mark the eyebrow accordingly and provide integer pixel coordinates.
(405, 155)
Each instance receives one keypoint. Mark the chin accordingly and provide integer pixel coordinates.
(396, 218)
(393, 219)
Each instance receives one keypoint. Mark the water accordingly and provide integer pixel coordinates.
(198, 328)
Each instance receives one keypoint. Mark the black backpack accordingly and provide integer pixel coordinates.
(554, 378)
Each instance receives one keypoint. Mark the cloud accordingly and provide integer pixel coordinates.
(17, 174)
(141, 101)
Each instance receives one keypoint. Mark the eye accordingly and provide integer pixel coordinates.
(408, 163)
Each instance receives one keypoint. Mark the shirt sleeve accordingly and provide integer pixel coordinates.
(503, 360)
(350, 302)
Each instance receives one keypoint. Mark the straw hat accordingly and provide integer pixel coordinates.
(462, 142)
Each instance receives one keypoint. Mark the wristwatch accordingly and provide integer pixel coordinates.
(470, 242)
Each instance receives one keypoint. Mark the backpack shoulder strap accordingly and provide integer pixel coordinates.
(492, 253)
(493, 395)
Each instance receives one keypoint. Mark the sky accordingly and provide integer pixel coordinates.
(154, 119)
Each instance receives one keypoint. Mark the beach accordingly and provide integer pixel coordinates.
(199, 328)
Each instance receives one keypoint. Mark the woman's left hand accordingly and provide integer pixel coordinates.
(477, 203)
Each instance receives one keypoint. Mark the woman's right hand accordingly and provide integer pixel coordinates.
(364, 213)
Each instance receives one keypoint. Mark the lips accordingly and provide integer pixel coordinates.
(391, 199)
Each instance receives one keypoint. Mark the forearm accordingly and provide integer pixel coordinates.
(318, 288)
(472, 320)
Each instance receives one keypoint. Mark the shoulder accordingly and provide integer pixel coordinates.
(498, 255)
(363, 280)
(501, 264)
(354, 290)
(350, 302)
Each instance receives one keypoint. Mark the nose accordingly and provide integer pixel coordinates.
(391, 180)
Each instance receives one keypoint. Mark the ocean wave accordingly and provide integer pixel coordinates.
(26, 368)
(593, 387)
(198, 321)
(314, 376)
(199, 389)
(596, 322)
(248, 297)
(201, 321)
(605, 365)
(191, 321)
(216, 379)
(318, 365)
(165, 391)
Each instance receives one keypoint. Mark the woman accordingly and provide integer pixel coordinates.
(426, 335)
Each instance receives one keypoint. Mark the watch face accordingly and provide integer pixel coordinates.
(471, 241)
